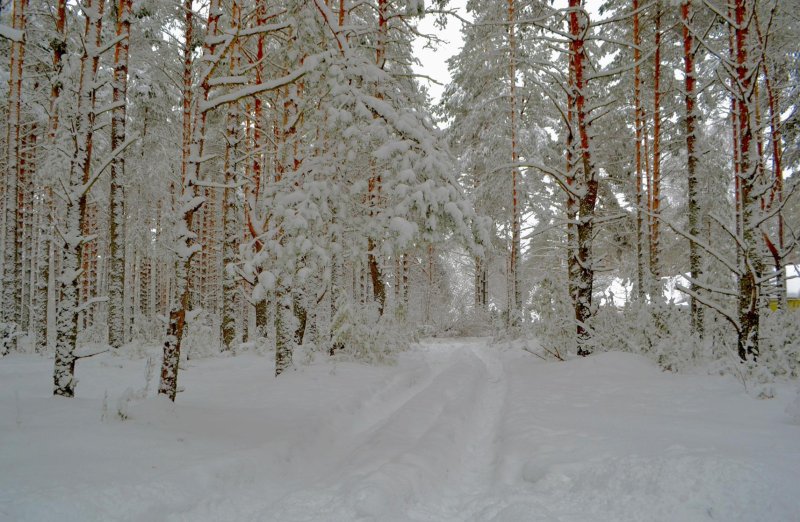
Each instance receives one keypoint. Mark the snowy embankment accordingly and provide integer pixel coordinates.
(456, 431)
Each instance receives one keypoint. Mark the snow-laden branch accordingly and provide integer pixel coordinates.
(336, 29)
(9, 33)
(775, 210)
(264, 29)
(711, 304)
(711, 288)
(89, 302)
(624, 16)
(83, 189)
(213, 184)
(619, 70)
(698, 241)
(251, 90)
(739, 243)
(111, 44)
(558, 176)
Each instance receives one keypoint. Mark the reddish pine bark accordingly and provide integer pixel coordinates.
(12, 279)
(773, 104)
(690, 98)
(749, 278)
(88, 224)
(76, 219)
(655, 192)
(116, 268)
(585, 183)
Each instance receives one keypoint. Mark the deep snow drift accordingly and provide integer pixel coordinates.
(456, 431)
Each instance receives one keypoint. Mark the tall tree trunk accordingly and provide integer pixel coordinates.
(776, 193)
(116, 211)
(88, 222)
(571, 205)
(42, 290)
(286, 326)
(655, 192)
(480, 284)
(252, 218)
(189, 202)
(639, 126)
(230, 226)
(695, 260)
(515, 296)
(188, 49)
(374, 184)
(59, 46)
(23, 239)
(75, 222)
(290, 315)
(585, 182)
(752, 264)
(12, 279)
(199, 228)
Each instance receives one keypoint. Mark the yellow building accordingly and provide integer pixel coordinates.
(793, 302)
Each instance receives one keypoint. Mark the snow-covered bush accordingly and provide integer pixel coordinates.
(361, 332)
(471, 323)
(780, 346)
(202, 335)
(553, 325)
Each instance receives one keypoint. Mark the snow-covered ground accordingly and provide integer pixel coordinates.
(456, 431)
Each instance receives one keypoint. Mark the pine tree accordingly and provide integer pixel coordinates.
(116, 192)
(75, 223)
(582, 178)
(12, 262)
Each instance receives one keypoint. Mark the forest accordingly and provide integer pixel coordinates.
(217, 176)
(568, 285)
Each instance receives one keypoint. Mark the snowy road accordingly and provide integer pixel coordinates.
(457, 431)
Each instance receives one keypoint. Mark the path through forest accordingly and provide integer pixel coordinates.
(456, 430)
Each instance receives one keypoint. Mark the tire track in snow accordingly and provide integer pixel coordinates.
(393, 430)
(482, 449)
(465, 497)
(426, 453)
(454, 459)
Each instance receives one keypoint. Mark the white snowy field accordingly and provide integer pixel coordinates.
(457, 431)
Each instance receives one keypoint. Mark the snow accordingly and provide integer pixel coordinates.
(793, 280)
(457, 430)
(15, 35)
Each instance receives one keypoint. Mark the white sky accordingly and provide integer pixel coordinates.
(434, 61)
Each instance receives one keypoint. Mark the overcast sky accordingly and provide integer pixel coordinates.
(434, 61)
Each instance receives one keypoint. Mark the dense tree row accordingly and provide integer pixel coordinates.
(253, 171)
(632, 128)
(263, 169)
